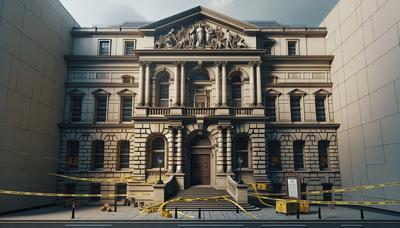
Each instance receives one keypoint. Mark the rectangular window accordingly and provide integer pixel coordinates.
(292, 46)
(104, 47)
(129, 47)
(274, 152)
(267, 45)
(76, 108)
(295, 109)
(73, 154)
(98, 154)
(303, 188)
(124, 154)
(323, 154)
(270, 108)
(101, 108)
(276, 188)
(95, 188)
(126, 108)
(298, 156)
(120, 189)
(320, 108)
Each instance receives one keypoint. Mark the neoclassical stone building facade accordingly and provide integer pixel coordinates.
(200, 94)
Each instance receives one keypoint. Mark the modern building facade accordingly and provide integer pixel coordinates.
(204, 96)
(34, 37)
(364, 38)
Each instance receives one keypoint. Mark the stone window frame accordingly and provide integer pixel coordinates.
(296, 93)
(296, 153)
(150, 161)
(273, 94)
(327, 144)
(297, 47)
(134, 46)
(69, 160)
(268, 44)
(119, 155)
(249, 152)
(72, 95)
(99, 47)
(95, 155)
(97, 94)
(322, 94)
(123, 94)
(274, 153)
(157, 88)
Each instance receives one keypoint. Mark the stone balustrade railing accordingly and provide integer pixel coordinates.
(199, 111)
(236, 190)
(158, 111)
(241, 111)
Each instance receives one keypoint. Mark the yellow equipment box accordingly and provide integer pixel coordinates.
(285, 207)
(304, 207)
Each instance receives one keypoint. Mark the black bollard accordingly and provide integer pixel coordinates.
(176, 213)
(73, 210)
(298, 214)
(362, 213)
(199, 213)
(115, 205)
(237, 209)
(319, 213)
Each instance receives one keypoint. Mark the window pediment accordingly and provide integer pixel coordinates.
(322, 92)
(76, 92)
(297, 92)
(101, 92)
(125, 92)
(272, 92)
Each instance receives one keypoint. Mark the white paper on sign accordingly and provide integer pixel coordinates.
(292, 188)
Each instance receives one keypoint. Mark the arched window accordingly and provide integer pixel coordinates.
(157, 147)
(163, 91)
(200, 94)
(123, 158)
(97, 154)
(236, 91)
(274, 155)
(242, 152)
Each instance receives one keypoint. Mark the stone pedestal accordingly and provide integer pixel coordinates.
(180, 178)
(159, 193)
(141, 111)
(258, 111)
(220, 181)
(222, 111)
(175, 111)
(241, 193)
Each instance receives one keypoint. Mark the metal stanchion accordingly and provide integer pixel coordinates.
(73, 210)
(199, 213)
(176, 213)
(115, 204)
(237, 209)
(298, 214)
(362, 213)
(319, 213)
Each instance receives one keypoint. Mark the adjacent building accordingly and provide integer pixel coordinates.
(204, 96)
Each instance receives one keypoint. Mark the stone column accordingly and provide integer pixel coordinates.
(176, 87)
(183, 85)
(141, 84)
(179, 151)
(229, 150)
(224, 86)
(217, 86)
(171, 151)
(251, 69)
(220, 153)
(147, 89)
(259, 85)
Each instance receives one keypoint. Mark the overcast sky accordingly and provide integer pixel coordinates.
(112, 12)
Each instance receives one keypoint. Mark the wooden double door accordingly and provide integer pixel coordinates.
(200, 170)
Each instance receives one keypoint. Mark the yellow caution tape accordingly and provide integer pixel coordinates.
(49, 194)
(127, 179)
(185, 215)
(259, 199)
(356, 188)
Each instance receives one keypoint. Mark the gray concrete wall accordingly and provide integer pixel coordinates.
(34, 37)
(364, 37)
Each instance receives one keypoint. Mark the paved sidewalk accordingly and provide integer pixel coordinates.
(131, 213)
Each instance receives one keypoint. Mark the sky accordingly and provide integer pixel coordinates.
(90, 13)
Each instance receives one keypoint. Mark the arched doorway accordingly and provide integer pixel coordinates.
(200, 160)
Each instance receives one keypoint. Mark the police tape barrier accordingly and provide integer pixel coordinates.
(361, 203)
(258, 198)
(351, 189)
(48, 194)
(138, 180)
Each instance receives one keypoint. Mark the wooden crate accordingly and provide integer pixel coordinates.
(286, 208)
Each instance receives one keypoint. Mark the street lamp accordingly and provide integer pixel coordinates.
(240, 161)
(160, 161)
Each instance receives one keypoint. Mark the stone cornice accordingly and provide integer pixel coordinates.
(302, 125)
(287, 58)
(300, 84)
(99, 84)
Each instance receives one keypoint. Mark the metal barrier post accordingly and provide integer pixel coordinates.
(199, 213)
(362, 213)
(115, 204)
(73, 210)
(237, 209)
(319, 213)
(176, 213)
(298, 214)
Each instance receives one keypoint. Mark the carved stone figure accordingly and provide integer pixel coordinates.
(200, 35)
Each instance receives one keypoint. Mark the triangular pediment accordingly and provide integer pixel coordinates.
(322, 92)
(199, 13)
(297, 92)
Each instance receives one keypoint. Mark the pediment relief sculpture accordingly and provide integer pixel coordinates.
(200, 35)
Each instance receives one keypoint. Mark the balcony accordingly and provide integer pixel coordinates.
(194, 111)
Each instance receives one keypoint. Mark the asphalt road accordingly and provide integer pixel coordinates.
(194, 224)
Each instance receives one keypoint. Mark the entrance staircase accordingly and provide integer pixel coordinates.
(208, 205)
